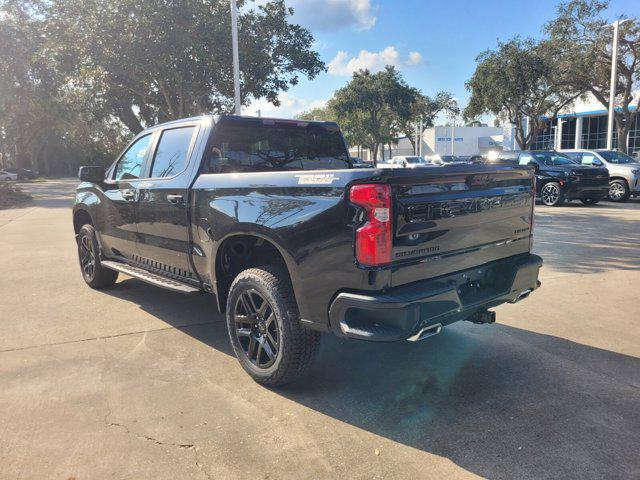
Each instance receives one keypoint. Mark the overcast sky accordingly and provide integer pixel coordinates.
(433, 44)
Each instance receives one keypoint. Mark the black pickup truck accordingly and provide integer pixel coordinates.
(270, 217)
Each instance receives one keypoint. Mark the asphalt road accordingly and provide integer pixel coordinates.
(136, 382)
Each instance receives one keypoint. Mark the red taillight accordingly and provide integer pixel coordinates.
(373, 239)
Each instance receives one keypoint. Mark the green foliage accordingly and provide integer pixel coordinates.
(518, 81)
(149, 61)
(79, 76)
(372, 107)
(582, 41)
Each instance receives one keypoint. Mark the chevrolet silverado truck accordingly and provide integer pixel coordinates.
(270, 217)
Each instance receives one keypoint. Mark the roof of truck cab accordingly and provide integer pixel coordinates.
(217, 118)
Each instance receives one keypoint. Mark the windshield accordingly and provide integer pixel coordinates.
(617, 157)
(449, 158)
(263, 146)
(553, 159)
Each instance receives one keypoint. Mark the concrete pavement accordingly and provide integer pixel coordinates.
(137, 382)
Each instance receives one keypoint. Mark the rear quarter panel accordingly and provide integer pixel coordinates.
(304, 214)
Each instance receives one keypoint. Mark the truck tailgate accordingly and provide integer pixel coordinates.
(457, 217)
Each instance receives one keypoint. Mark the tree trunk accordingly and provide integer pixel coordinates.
(125, 114)
(374, 154)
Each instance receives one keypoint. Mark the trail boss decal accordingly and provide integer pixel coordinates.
(317, 179)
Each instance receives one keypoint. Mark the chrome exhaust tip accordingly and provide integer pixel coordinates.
(522, 295)
(426, 332)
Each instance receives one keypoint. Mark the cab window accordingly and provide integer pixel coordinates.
(130, 164)
(171, 154)
(587, 158)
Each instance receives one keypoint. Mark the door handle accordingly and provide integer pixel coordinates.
(175, 199)
(128, 194)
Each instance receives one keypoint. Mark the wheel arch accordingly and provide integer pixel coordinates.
(618, 177)
(242, 250)
(81, 217)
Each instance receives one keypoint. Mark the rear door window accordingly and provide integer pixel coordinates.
(263, 147)
(130, 164)
(171, 154)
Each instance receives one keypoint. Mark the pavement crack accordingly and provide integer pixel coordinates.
(103, 337)
(155, 441)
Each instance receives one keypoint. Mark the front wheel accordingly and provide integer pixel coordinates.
(93, 273)
(590, 201)
(551, 194)
(264, 327)
(619, 191)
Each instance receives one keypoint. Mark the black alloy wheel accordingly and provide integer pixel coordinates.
(256, 328)
(264, 326)
(87, 258)
(93, 273)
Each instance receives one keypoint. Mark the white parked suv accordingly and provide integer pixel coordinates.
(5, 176)
(624, 171)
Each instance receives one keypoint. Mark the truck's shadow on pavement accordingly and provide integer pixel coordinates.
(500, 402)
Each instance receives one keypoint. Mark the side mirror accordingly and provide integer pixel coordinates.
(91, 174)
(597, 162)
(533, 164)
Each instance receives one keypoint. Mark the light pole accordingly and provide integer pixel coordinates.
(420, 139)
(236, 61)
(613, 82)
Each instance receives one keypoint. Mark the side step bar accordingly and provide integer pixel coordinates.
(152, 278)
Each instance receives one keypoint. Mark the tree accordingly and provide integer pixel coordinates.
(518, 82)
(147, 61)
(427, 109)
(79, 77)
(583, 44)
(371, 107)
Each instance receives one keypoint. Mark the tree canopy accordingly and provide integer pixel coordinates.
(583, 44)
(93, 69)
(518, 81)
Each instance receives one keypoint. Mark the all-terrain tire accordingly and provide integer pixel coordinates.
(93, 273)
(297, 347)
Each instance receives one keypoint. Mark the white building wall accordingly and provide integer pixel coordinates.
(465, 139)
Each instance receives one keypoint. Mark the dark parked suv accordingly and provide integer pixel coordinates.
(558, 178)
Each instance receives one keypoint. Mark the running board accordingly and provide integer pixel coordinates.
(148, 277)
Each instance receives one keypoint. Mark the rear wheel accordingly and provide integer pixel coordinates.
(93, 273)
(619, 191)
(590, 201)
(551, 194)
(264, 327)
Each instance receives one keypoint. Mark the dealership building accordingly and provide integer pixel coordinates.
(583, 125)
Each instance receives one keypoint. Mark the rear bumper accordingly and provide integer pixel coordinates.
(400, 312)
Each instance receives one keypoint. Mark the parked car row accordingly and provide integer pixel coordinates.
(559, 178)
(585, 175)
(12, 174)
